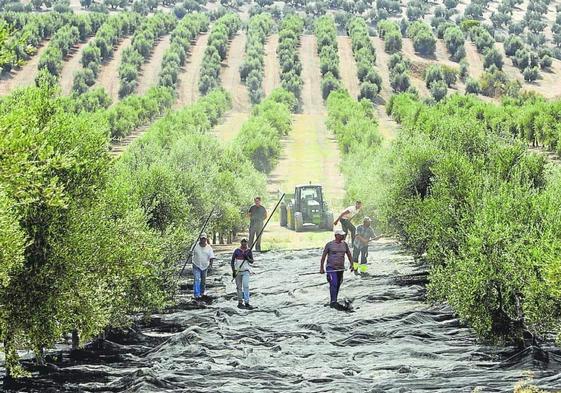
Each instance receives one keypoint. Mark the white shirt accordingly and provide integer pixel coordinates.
(202, 256)
(352, 211)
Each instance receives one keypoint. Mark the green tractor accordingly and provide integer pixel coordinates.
(306, 209)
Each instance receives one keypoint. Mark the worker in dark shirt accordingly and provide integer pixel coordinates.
(335, 252)
(257, 216)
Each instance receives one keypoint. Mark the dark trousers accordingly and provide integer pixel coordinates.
(362, 252)
(254, 229)
(335, 279)
(348, 226)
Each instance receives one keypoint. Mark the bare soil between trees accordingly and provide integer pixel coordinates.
(24, 76)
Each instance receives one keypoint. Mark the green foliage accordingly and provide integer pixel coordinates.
(512, 44)
(21, 33)
(438, 90)
(365, 56)
(495, 83)
(53, 162)
(391, 34)
(472, 86)
(144, 39)
(101, 47)
(476, 205)
(326, 34)
(354, 125)
(252, 68)
(290, 65)
(70, 217)
(175, 56)
(259, 139)
(134, 111)
(454, 40)
(399, 73)
(424, 41)
(482, 39)
(494, 58)
(222, 31)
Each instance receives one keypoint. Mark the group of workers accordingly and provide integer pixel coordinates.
(334, 252)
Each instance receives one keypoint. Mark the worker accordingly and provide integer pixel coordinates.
(241, 260)
(345, 218)
(364, 234)
(202, 258)
(257, 215)
(335, 252)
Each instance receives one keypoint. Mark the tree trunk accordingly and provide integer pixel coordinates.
(75, 339)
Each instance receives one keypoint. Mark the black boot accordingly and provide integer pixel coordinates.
(240, 304)
(249, 306)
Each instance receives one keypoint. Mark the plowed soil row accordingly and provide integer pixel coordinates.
(150, 71)
(24, 76)
(109, 76)
(71, 65)
(188, 86)
(271, 78)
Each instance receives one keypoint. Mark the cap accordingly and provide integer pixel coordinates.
(203, 235)
(243, 240)
(367, 219)
(340, 232)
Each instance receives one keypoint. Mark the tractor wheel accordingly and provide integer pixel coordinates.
(298, 222)
(329, 221)
(283, 215)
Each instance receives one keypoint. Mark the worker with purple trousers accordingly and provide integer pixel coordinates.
(257, 216)
(335, 252)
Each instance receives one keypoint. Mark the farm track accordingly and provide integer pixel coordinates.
(231, 82)
(474, 60)
(271, 77)
(187, 92)
(230, 74)
(312, 102)
(382, 60)
(188, 85)
(109, 76)
(348, 66)
(24, 76)
(71, 65)
(150, 71)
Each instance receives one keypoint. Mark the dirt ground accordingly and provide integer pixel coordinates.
(382, 59)
(312, 101)
(150, 70)
(271, 77)
(474, 60)
(71, 65)
(310, 154)
(24, 76)
(230, 74)
(230, 126)
(348, 66)
(109, 76)
(188, 86)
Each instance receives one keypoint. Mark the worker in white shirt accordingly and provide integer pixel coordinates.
(345, 218)
(203, 256)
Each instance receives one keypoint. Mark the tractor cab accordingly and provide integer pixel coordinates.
(306, 209)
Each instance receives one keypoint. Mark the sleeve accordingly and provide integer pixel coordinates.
(250, 256)
(326, 248)
(210, 253)
(233, 259)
